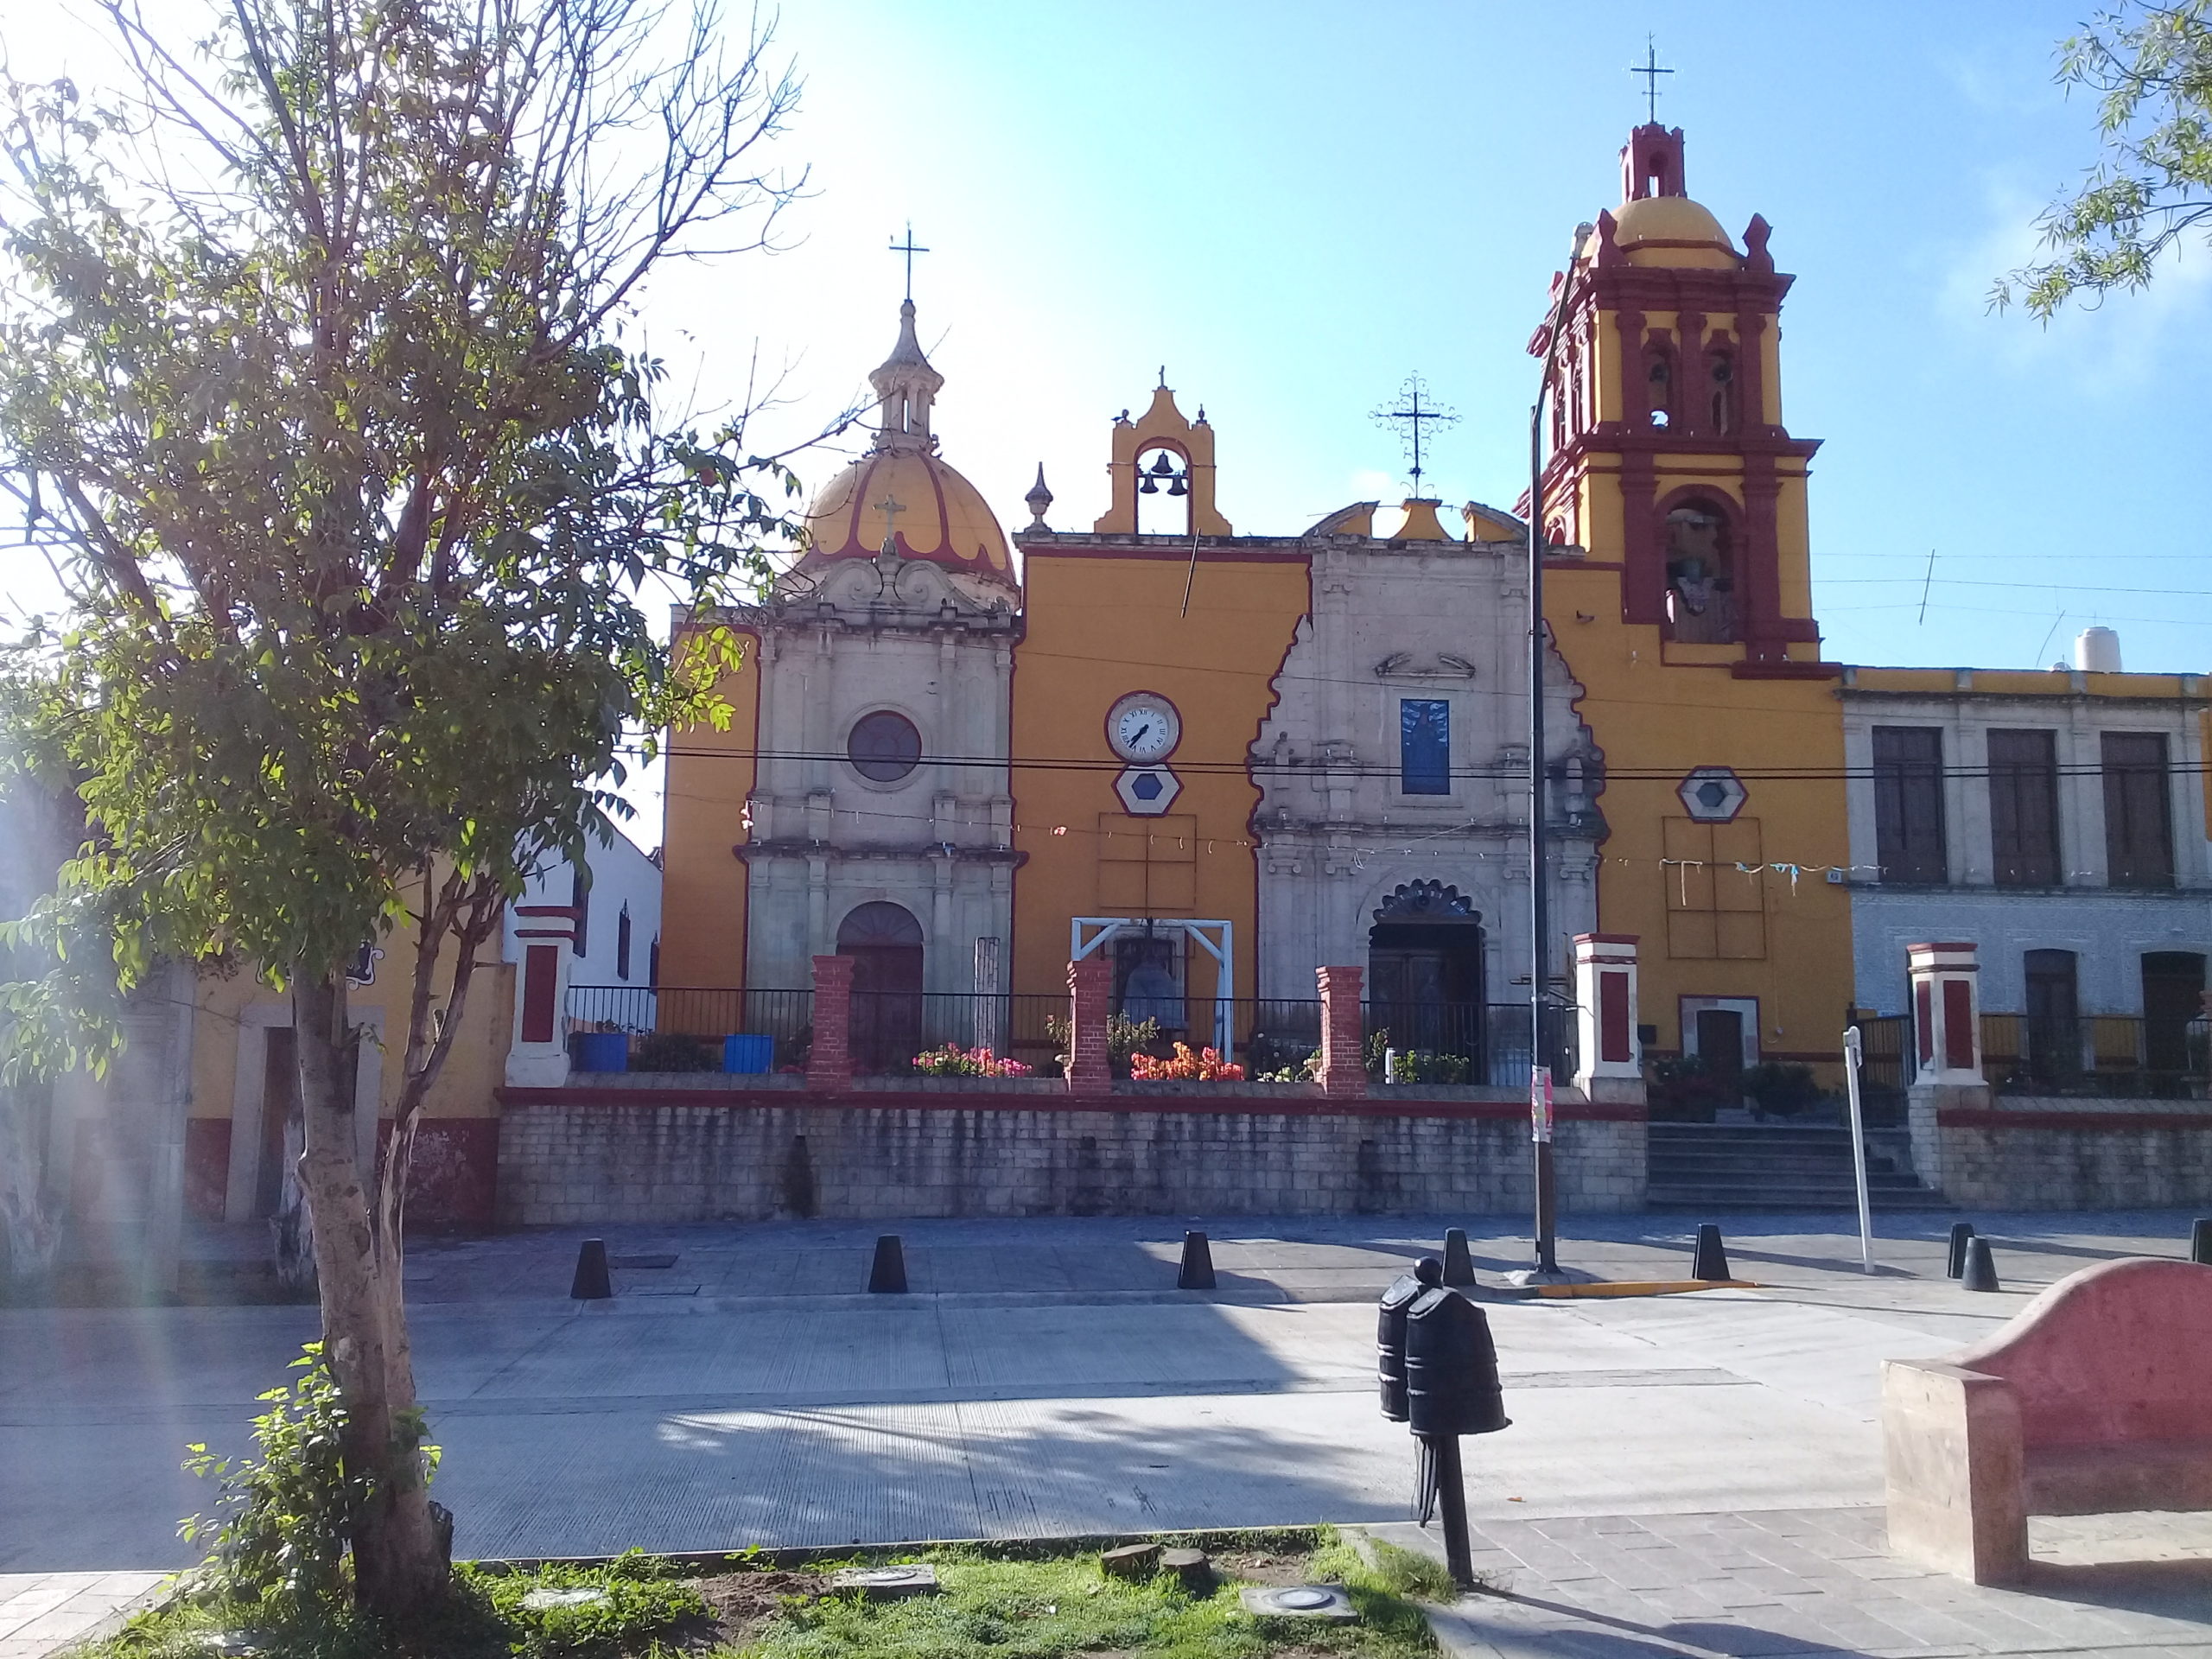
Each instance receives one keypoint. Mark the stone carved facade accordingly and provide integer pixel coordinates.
(1416, 619)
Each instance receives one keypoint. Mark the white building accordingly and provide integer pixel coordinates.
(2056, 820)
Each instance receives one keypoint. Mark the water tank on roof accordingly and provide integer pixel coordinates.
(2096, 650)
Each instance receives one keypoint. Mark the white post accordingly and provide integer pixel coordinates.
(1851, 1052)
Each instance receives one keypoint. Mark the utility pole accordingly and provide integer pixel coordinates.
(1539, 898)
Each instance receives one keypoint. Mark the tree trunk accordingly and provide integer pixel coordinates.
(291, 1229)
(401, 1554)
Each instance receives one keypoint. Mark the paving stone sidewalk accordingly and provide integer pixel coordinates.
(43, 1613)
(1778, 1583)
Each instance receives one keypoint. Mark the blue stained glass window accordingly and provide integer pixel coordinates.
(1424, 746)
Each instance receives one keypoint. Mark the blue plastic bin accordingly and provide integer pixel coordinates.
(602, 1051)
(749, 1055)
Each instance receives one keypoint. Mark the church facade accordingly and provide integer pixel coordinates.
(1217, 760)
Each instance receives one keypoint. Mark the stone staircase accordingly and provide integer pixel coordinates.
(1724, 1166)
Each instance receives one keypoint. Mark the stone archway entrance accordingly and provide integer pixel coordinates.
(1425, 973)
(885, 942)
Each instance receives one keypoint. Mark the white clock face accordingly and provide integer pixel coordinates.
(1144, 727)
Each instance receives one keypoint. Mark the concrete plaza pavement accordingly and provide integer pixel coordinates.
(1045, 1378)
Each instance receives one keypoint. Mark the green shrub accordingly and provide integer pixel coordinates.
(1781, 1088)
(1124, 1037)
(673, 1051)
(276, 1547)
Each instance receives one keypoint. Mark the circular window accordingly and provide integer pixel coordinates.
(884, 747)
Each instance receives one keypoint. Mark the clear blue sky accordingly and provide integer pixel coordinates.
(1292, 205)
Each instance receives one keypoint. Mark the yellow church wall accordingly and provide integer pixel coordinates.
(475, 1066)
(710, 777)
(1658, 720)
(1906, 680)
(1099, 626)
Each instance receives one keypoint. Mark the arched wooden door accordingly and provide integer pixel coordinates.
(885, 942)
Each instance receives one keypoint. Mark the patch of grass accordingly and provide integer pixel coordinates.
(1010, 1600)
(1406, 1573)
(642, 1601)
(1062, 1605)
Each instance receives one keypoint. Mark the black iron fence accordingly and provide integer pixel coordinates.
(1469, 1042)
(2122, 1055)
(682, 1028)
(891, 1030)
(2109, 1054)
(674, 1027)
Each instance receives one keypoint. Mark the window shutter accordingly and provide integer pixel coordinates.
(2138, 829)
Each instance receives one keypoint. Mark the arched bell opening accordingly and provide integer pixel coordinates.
(885, 942)
(1425, 978)
(1163, 490)
(1699, 533)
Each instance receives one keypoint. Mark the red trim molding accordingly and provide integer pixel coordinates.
(1996, 1117)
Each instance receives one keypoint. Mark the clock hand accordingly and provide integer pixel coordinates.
(1140, 734)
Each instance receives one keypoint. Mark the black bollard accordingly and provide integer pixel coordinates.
(1712, 1260)
(591, 1283)
(888, 1272)
(1459, 1261)
(1197, 1273)
(1961, 1232)
(2200, 1241)
(1980, 1271)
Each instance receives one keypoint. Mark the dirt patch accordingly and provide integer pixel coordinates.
(740, 1603)
(1261, 1566)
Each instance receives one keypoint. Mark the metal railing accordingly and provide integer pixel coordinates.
(890, 1028)
(679, 1027)
(2122, 1055)
(2110, 1054)
(1471, 1042)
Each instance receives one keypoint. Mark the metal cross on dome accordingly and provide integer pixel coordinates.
(891, 506)
(1414, 411)
(1649, 69)
(908, 248)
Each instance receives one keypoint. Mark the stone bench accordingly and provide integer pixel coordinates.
(2096, 1399)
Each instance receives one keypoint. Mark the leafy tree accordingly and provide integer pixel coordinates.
(2150, 68)
(311, 354)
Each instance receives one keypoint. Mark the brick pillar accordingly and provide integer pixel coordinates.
(1090, 990)
(1343, 1067)
(1945, 1014)
(1605, 1009)
(828, 1063)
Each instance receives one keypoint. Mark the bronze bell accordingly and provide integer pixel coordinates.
(1162, 466)
(1175, 485)
(1146, 486)
(1452, 1385)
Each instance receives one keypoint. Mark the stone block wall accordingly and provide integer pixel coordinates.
(2034, 1154)
(607, 1155)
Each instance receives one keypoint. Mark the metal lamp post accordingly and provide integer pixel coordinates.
(1539, 901)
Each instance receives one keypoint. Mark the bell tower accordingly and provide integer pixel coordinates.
(1668, 452)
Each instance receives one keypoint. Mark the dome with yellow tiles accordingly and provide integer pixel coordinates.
(935, 514)
(1671, 230)
(902, 489)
